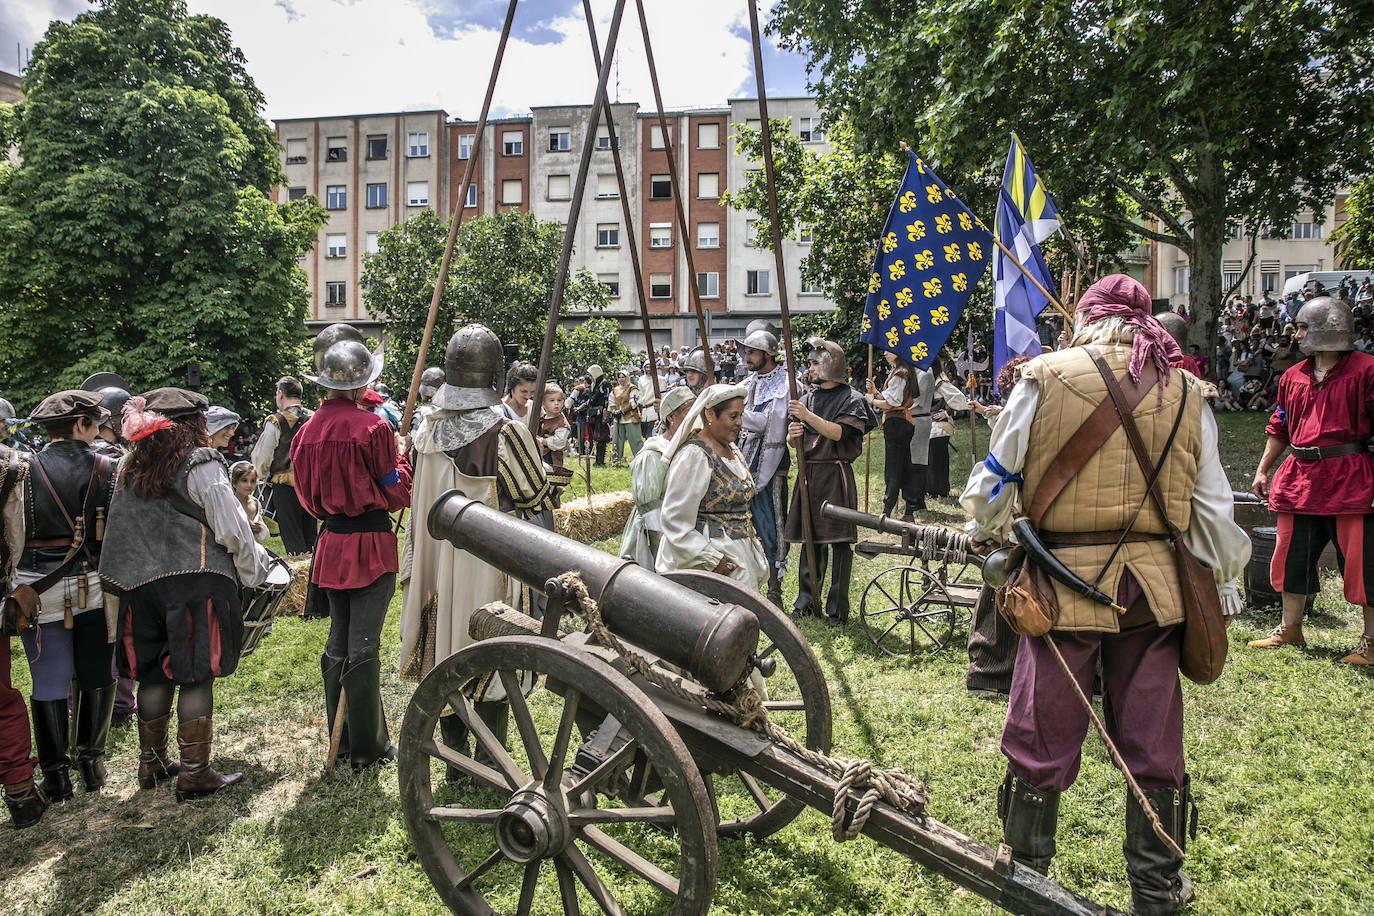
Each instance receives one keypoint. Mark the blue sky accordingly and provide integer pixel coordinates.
(317, 57)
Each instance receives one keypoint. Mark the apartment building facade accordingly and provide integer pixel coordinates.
(374, 171)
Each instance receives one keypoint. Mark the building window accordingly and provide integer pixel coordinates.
(373, 242)
(335, 197)
(607, 188)
(660, 235)
(465, 142)
(660, 187)
(751, 233)
(753, 123)
(336, 150)
(1269, 281)
(417, 144)
(512, 191)
(336, 245)
(809, 287)
(708, 285)
(811, 131)
(1305, 231)
(295, 152)
(472, 196)
(560, 140)
(607, 235)
(660, 286)
(804, 233)
(560, 187)
(708, 235)
(376, 195)
(417, 193)
(603, 138)
(708, 185)
(1293, 270)
(1180, 280)
(708, 136)
(295, 193)
(655, 137)
(376, 147)
(756, 283)
(513, 143)
(1230, 279)
(612, 284)
(335, 293)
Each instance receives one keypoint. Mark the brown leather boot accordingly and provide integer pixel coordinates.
(1281, 636)
(153, 763)
(1363, 654)
(197, 778)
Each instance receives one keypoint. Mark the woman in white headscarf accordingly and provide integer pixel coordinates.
(705, 512)
(648, 480)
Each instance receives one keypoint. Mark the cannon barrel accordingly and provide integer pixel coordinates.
(711, 640)
(883, 523)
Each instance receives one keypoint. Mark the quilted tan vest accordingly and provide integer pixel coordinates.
(1106, 492)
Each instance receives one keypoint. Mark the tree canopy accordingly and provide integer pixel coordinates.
(135, 234)
(502, 275)
(1175, 121)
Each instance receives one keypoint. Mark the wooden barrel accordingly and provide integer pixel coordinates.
(1258, 592)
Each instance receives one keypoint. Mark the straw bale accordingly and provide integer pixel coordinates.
(601, 517)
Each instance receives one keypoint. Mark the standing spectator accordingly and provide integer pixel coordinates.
(595, 414)
(521, 380)
(1364, 298)
(625, 415)
(220, 425)
(648, 405)
(272, 460)
(894, 401)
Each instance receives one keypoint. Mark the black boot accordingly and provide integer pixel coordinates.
(26, 803)
(774, 594)
(1029, 818)
(495, 715)
(332, 669)
(1157, 886)
(93, 711)
(367, 736)
(50, 741)
(454, 733)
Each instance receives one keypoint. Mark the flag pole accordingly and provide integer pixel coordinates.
(868, 460)
(1034, 282)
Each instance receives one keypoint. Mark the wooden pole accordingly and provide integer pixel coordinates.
(868, 458)
(803, 491)
(560, 281)
(425, 338)
(1034, 282)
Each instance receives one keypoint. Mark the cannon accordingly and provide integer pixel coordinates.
(626, 765)
(913, 609)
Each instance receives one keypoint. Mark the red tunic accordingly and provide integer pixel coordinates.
(346, 464)
(1340, 409)
(1188, 364)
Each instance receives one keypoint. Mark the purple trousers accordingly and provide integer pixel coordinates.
(1142, 703)
(16, 751)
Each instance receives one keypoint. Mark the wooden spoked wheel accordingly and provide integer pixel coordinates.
(908, 611)
(596, 800)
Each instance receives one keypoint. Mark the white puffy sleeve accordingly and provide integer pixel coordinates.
(995, 485)
(1213, 535)
(683, 545)
(208, 488)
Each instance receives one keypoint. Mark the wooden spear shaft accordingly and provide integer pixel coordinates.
(868, 457)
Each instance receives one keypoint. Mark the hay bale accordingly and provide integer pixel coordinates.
(594, 519)
(293, 602)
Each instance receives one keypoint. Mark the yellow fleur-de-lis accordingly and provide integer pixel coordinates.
(919, 352)
(889, 242)
(896, 270)
(907, 202)
(952, 252)
(903, 297)
(867, 325)
(948, 192)
(875, 283)
(883, 310)
(912, 324)
(943, 224)
(939, 316)
(932, 288)
(915, 231)
(892, 337)
(933, 193)
(924, 260)
(975, 251)
(965, 223)
(959, 282)
(920, 166)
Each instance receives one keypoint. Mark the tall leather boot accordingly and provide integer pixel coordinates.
(1029, 818)
(93, 711)
(332, 669)
(1158, 887)
(455, 735)
(197, 778)
(774, 594)
(368, 741)
(495, 715)
(26, 803)
(154, 765)
(50, 741)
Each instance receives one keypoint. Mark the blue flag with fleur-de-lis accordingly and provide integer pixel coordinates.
(932, 253)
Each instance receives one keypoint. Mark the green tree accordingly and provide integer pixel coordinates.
(134, 234)
(595, 341)
(502, 274)
(1354, 239)
(1175, 121)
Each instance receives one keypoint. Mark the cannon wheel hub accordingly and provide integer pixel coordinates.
(533, 826)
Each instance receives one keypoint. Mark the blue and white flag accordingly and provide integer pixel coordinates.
(1026, 216)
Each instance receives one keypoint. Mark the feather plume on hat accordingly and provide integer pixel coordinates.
(139, 422)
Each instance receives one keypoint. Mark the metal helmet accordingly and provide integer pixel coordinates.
(696, 361)
(6, 410)
(1330, 325)
(474, 369)
(430, 381)
(346, 365)
(761, 338)
(828, 358)
(332, 335)
(1177, 326)
(112, 399)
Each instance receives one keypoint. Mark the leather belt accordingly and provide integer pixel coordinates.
(370, 521)
(1319, 452)
(48, 542)
(1097, 538)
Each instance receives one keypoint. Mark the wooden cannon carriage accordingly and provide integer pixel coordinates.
(638, 741)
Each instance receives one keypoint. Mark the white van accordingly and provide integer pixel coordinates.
(1327, 278)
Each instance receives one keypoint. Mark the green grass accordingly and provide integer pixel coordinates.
(1278, 750)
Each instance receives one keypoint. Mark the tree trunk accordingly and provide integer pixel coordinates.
(1208, 208)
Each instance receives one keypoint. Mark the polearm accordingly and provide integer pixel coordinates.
(579, 188)
(803, 490)
(458, 208)
(670, 148)
(868, 459)
(605, 104)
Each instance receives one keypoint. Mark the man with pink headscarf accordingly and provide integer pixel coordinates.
(1105, 504)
